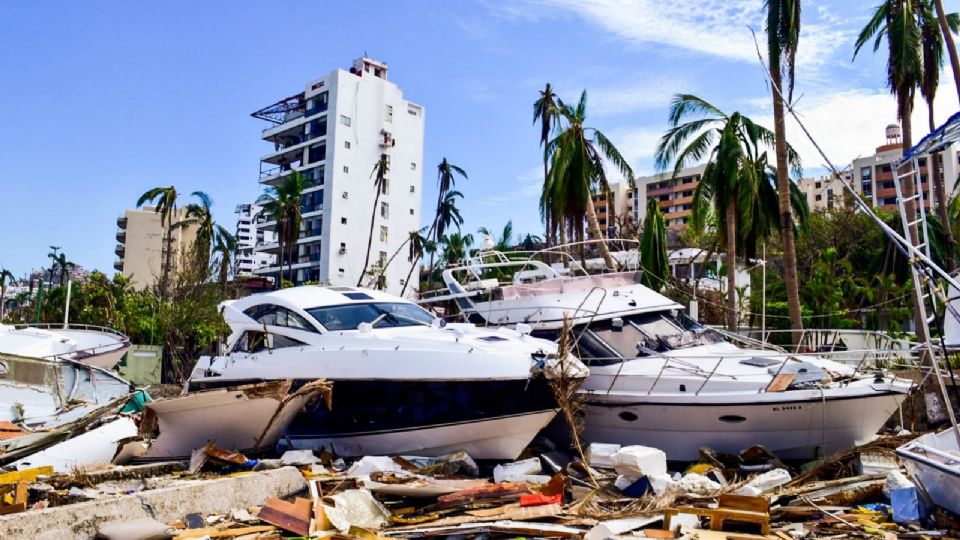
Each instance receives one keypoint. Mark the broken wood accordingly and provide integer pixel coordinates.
(293, 517)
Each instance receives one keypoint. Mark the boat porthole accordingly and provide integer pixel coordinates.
(683, 388)
(628, 416)
(732, 419)
(3, 369)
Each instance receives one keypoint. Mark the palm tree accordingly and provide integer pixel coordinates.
(5, 277)
(201, 214)
(446, 213)
(731, 146)
(945, 29)
(456, 247)
(577, 169)
(379, 175)
(164, 201)
(932, 53)
(547, 111)
(63, 266)
(653, 248)
(225, 246)
(783, 36)
(283, 204)
(417, 243)
(503, 241)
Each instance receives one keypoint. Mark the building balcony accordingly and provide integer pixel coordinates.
(122, 222)
(272, 248)
(287, 155)
(122, 236)
(120, 250)
(118, 265)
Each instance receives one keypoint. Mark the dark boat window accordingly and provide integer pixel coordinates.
(253, 342)
(273, 315)
(380, 314)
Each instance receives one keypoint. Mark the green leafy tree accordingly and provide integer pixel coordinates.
(653, 248)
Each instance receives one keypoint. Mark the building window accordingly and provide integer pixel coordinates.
(817, 185)
(343, 221)
(819, 197)
(340, 271)
(383, 233)
(346, 144)
(413, 189)
(413, 110)
(346, 169)
(403, 282)
(384, 210)
(345, 120)
(382, 259)
(388, 114)
(343, 247)
(385, 186)
(413, 166)
(411, 211)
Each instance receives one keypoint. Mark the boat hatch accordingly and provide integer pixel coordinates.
(492, 338)
(358, 296)
(805, 372)
(760, 362)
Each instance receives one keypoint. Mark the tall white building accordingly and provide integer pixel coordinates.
(250, 234)
(334, 133)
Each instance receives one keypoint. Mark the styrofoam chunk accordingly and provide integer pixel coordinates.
(639, 461)
(371, 464)
(599, 454)
(770, 479)
(507, 472)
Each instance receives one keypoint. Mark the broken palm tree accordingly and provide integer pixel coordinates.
(565, 386)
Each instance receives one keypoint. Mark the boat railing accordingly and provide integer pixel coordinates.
(842, 342)
(121, 343)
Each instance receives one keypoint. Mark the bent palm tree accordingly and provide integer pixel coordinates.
(283, 204)
(225, 246)
(577, 169)
(201, 214)
(731, 179)
(379, 175)
(164, 201)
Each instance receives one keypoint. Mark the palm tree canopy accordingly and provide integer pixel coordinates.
(546, 110)
(164, 200)
(653, 248)
(783, 37)
(503, 241)
(897, 21)
(447, 177)
(201, 213)
(448, 214)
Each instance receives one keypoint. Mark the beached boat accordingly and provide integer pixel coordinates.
(933, 460)
(402, 381)
(659, 378)
(93, 345)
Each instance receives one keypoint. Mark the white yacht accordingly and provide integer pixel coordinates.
(403, 382)
(96, 346)
(659, 378)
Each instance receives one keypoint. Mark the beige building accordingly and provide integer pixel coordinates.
(824, 192)
(675, 193)
(140, 250)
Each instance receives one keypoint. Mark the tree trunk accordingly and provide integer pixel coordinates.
(165, 286)
(731, 217)
(598, 234)
(373, 220)
(786, 210)
(281, 230)
(951, 46)
(939, 188)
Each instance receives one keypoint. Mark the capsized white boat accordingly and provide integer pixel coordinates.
(659, 378)
(933, 460)
(93, 345)
(403, 383)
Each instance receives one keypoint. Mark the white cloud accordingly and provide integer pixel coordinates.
(850, 123)
(717, 28)
(650, 93)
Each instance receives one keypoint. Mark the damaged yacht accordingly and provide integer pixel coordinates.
(659, 378)
(403, 382)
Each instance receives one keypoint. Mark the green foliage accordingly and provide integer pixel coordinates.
(653, 248)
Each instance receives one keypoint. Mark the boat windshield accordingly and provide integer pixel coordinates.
(380, 315)
(636, 335)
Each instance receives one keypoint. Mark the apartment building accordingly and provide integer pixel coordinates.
(873, 175)
(613, 210)
(824, 192)
(250, 234)
(675, 193)
(334, 132)
(141, 245)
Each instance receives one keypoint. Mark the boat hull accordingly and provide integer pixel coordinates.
(489, 419)
(933, 461)
(792, 429)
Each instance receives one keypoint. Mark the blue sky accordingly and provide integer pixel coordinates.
(104, 100)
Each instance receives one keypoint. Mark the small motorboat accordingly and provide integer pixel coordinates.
(661, 379)
(97, 346)
(933, 461)
(403, 382)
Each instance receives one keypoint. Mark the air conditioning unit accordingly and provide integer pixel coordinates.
(343, 249)
(386, 139)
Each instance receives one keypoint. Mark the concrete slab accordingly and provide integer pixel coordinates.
(80, 521)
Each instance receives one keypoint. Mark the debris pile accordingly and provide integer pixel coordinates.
(614, 492)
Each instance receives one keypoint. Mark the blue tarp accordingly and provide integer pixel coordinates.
(940, 138)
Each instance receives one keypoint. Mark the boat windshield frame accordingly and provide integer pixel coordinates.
(346, 317)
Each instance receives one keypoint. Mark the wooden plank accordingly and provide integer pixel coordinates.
(28, 475)
(293, 517)
(12, 508)
(744, 502)
(213, 532)
(21, 493)
(781, 382)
